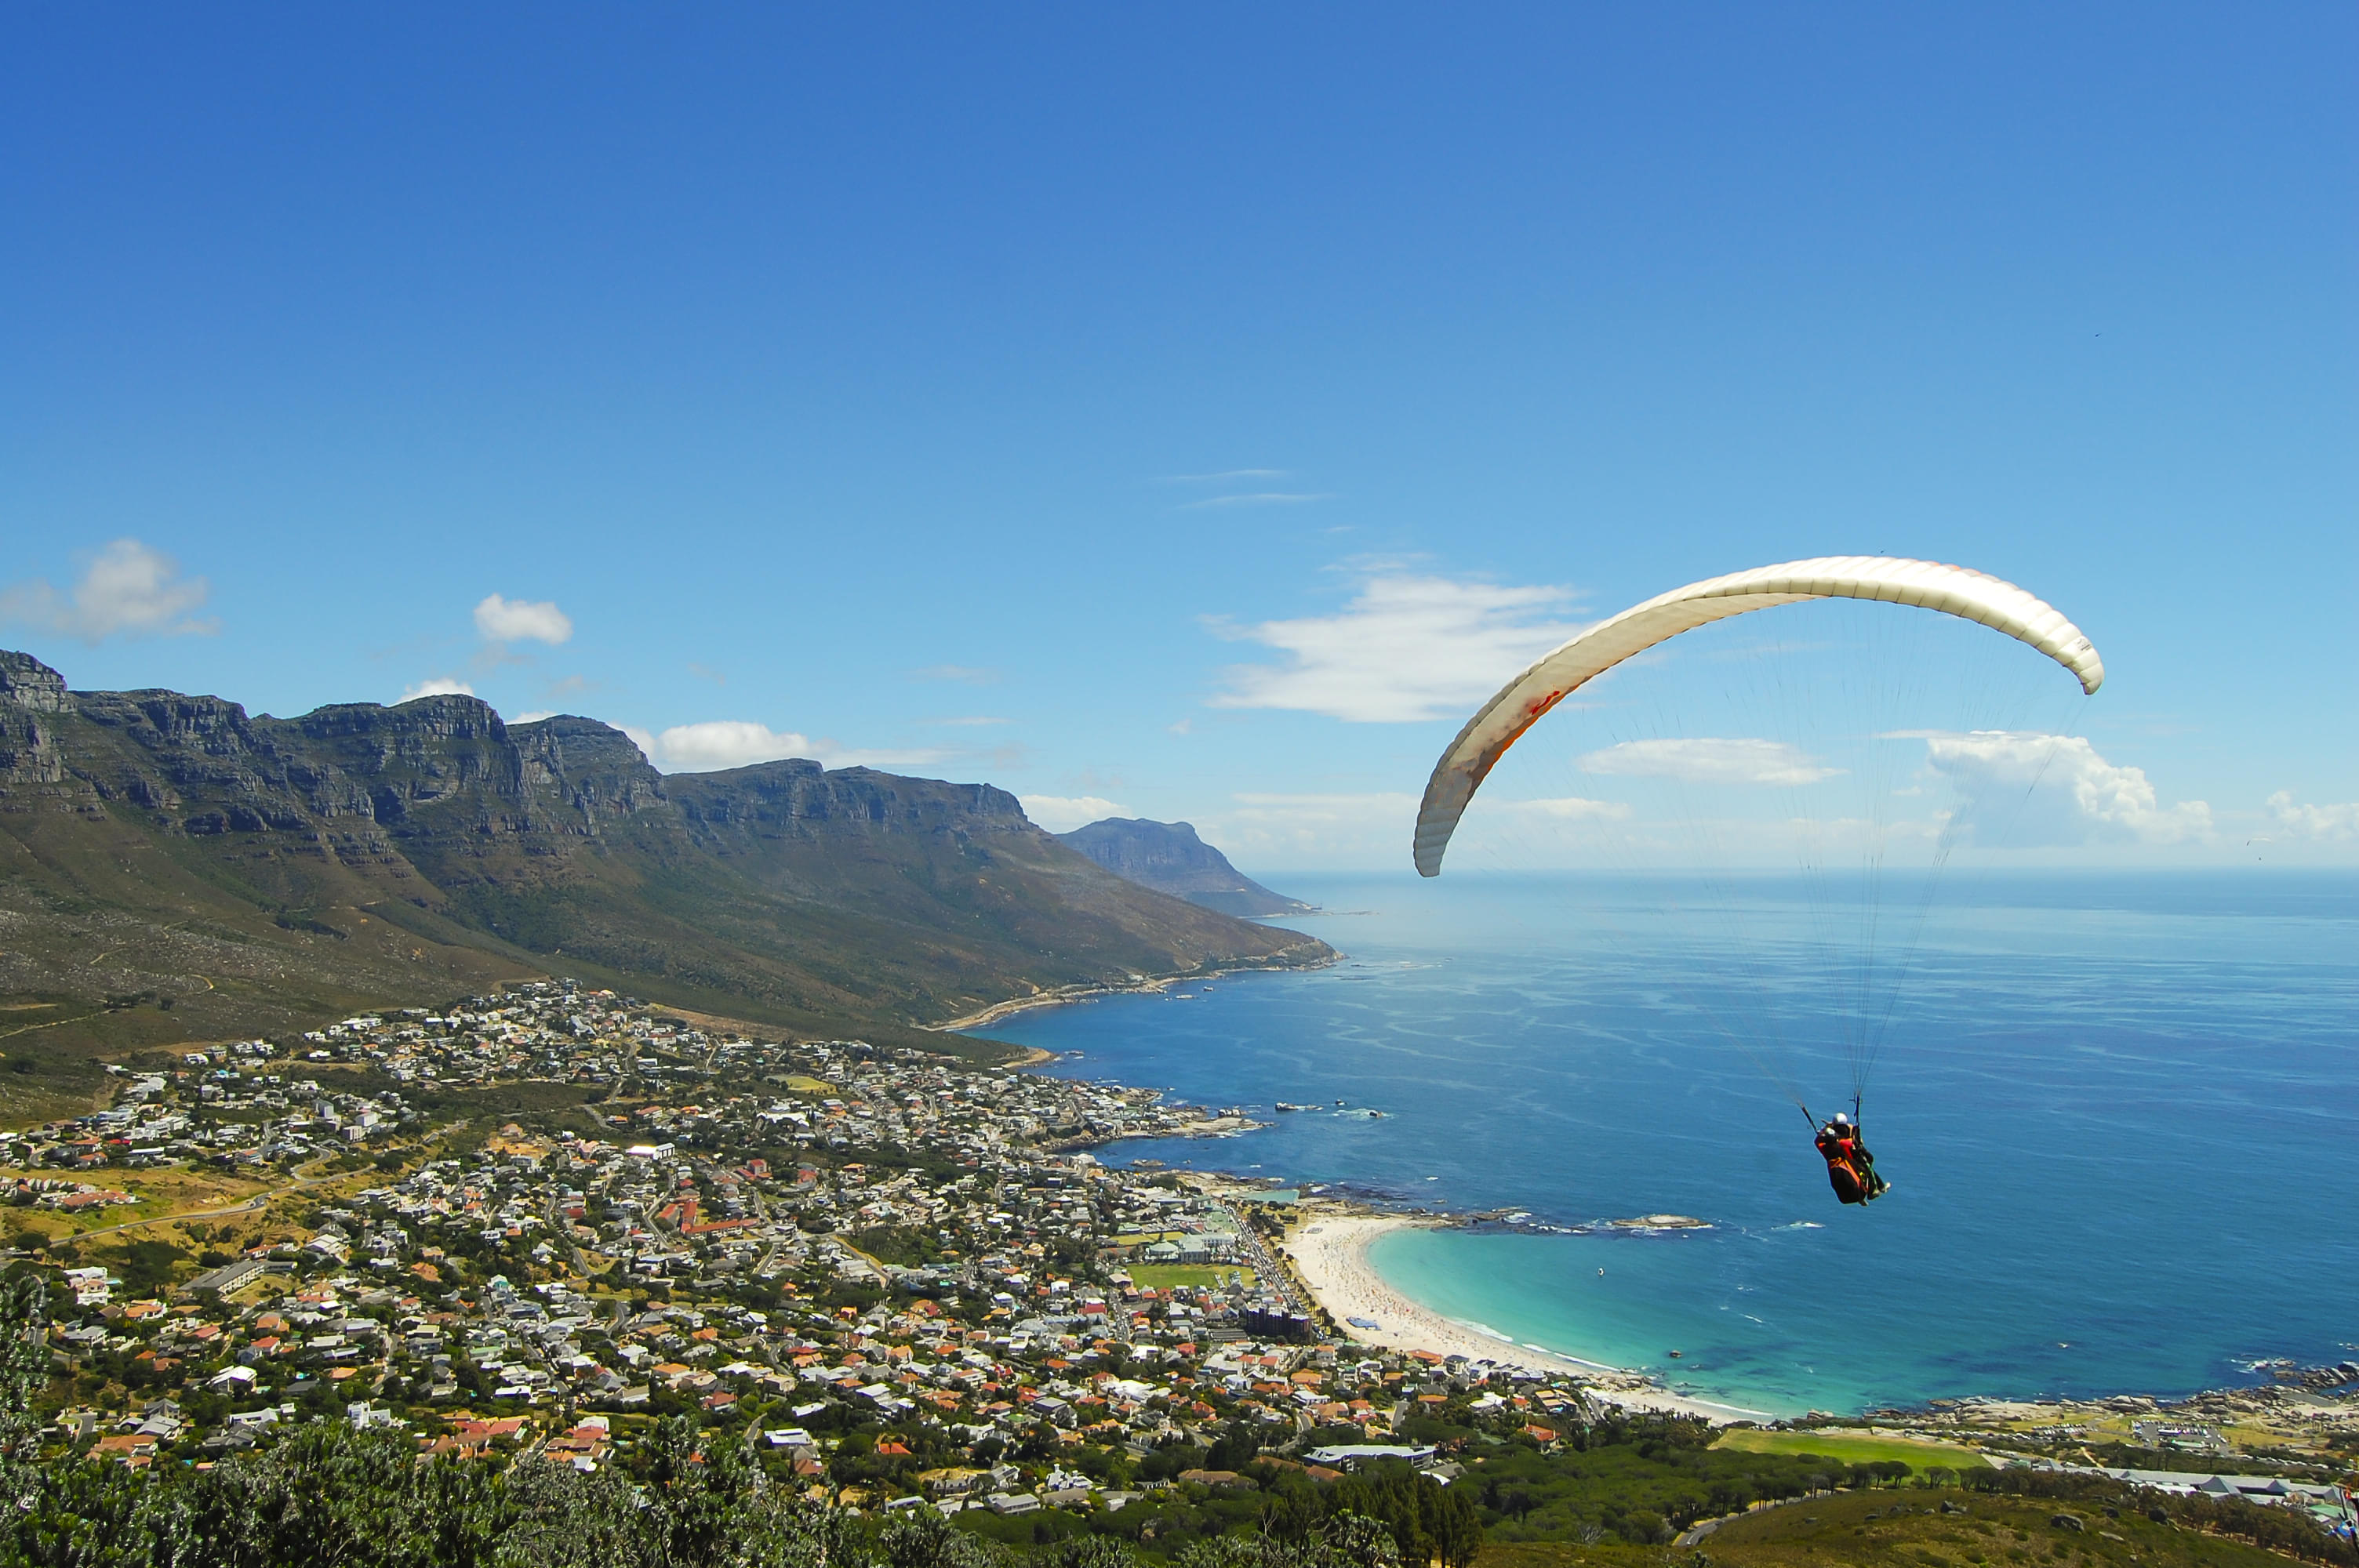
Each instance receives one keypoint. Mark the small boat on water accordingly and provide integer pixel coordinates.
(1290, 1105)
(1674, 1355)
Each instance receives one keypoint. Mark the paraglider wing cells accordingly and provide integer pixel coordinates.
(1923, 585)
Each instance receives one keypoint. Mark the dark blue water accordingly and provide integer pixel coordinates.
(2122, 1115)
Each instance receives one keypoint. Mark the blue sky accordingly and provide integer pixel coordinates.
(1190, 410)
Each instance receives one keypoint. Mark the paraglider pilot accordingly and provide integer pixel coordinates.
(1851, 1169)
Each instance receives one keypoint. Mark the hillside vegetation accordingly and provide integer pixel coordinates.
(172, 868)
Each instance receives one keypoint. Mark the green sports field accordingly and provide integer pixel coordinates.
(1857, 1449)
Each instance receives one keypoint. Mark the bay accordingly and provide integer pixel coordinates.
(2121, 1113)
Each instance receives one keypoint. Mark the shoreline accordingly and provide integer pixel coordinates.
(1327, 1250)
(1146, 984)
(1330, 1253)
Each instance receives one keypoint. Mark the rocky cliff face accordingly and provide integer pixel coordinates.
(1169, 857)
(434, 836)
(29, 690)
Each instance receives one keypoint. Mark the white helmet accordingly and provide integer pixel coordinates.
(1842, 1119)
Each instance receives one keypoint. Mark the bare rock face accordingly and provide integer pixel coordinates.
(31, 685)
(28, 689)
(799, 799)
(1169, 857)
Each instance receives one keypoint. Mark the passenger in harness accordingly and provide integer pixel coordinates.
(1851, 1169)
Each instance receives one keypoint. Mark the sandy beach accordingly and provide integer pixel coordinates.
(1329, 1252)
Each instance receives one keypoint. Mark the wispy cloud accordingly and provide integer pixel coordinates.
(1710, 759)
(721, 743)
(1406, 648)
(1333, 828)
(500, 619)
(128, 589)
(436, 685)
(1226, 476)
(965, 675)
(1258, 498)
(1569, 808)
(1063, 813)
(1364, 806)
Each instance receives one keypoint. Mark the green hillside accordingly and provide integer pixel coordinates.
(174, 868)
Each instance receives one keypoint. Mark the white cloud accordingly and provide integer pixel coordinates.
(2332, 824)
(645, 740)
(1710, 759)
(535, 716)
(521, 621)
(436, 685)
(1406, 648)
(2020, 790)
(727, 743)
(128, 589)
(721, 743)
(1062, 814)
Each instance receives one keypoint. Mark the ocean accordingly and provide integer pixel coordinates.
(2121, 1114)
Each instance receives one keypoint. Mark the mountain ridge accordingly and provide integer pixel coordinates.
(1171, 857)
(162, 853)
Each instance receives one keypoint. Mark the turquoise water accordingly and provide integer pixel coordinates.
(2122, 1115)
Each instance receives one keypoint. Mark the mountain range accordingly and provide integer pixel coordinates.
(1169, 857)
(172, 868)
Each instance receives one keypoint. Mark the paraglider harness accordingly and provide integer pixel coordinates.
(1851, 1169)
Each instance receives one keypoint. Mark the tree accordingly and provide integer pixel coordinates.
(24, 1372)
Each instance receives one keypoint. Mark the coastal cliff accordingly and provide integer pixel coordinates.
(1169, 857)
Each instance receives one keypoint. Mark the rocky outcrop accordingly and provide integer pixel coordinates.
(29, 690)
(28, 684)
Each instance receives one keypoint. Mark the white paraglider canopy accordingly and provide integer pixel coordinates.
(1923, 585)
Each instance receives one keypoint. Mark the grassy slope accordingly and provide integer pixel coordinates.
(1909, 1531)
(1919, 1456)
